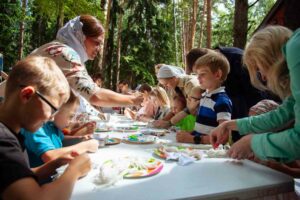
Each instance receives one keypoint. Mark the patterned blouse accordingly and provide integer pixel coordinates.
(69, 62)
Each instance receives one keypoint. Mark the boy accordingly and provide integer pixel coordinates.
(35, 89)
(215, 106)
(46, 144)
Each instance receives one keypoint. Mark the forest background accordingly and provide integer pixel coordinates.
(139, 33)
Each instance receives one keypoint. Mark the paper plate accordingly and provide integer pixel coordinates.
(112, 141)
(127, 128)
(154, 131)
(139, 139)
(140, 173)
(102, 130)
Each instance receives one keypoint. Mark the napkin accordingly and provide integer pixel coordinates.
(183, 159)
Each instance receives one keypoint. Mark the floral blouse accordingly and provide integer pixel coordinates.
(69, 62)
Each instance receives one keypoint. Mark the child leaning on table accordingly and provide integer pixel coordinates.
(215, 106)
(186, 122)
(35, 88)
(46, 144)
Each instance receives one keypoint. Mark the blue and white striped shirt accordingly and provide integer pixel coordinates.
(214, 106)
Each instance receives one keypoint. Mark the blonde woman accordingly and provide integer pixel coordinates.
(274, 53)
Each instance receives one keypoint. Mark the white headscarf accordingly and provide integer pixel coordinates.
(168, 71)
(71, 34)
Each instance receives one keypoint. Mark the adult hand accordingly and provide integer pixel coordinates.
(80, 165)
(241, 149)
(137, 100)
(220, 134)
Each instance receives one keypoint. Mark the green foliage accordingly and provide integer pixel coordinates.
(10, 18)
(147, 40)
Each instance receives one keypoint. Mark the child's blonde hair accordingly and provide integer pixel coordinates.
(197, 91)
(41, 73)
(215, 61)
(265, 48)
(161, 94)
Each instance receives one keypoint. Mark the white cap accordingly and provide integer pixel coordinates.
(168, 71)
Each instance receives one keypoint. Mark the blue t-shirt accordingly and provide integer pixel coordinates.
(48, 137)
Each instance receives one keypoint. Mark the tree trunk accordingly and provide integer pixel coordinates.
(208, 23)
(175, 32)
(240, 23)
(22, 29)
(108, 53)
(202, 20)
(107, 22)
(193, 24)
(119, 44)
(61, 16)
(183, 40)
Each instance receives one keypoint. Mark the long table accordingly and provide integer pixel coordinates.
(208, 178)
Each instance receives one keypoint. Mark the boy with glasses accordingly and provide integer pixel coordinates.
(44, 89)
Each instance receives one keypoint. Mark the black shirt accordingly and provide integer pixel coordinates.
(14, 164)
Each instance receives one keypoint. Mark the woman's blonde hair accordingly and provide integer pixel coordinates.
(41, 73)
(265, 48)
(161, 94)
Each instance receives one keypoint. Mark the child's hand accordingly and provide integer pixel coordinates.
(184, 137)
(92, 145)
(87, 137)
(86, 129)
(161, 124)
(66, 158)
(81, 164)
(91, 127)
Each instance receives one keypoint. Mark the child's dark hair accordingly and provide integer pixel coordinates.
(96, 76)
(124, 82)
(145, 87)
(180, 98)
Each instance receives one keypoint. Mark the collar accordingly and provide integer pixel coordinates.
(218, 90)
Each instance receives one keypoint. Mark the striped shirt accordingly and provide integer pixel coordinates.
(214, 106)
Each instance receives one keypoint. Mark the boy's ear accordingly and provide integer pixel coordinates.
(219, 74)
(27, 92)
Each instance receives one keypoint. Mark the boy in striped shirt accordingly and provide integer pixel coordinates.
(215, 106)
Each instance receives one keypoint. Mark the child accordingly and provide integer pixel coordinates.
(161, 101)
(46, 144)
(35, 89)
(148, 108)
(215, 106)
(184, 121)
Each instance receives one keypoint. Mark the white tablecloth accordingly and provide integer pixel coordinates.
(204, 179)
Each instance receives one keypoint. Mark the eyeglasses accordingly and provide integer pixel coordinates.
(53, 108)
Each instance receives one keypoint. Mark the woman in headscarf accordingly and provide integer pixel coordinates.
(78, 41)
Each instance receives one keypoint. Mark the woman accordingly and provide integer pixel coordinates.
(78, 41)
(274, 53)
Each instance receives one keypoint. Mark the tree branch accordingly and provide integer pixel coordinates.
(253, 4)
